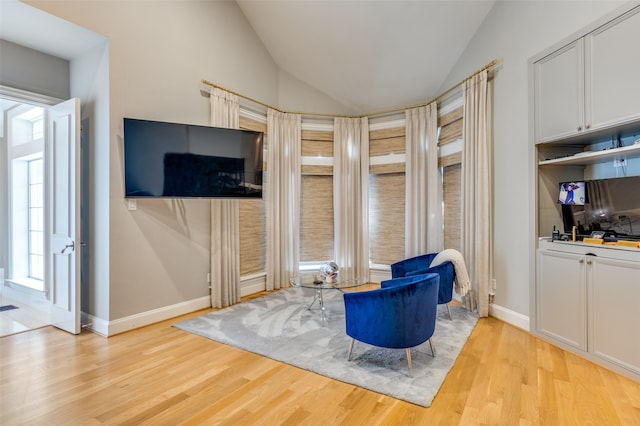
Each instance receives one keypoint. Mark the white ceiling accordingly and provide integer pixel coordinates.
(369, 55)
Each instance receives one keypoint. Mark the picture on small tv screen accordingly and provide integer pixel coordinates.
(572, 193)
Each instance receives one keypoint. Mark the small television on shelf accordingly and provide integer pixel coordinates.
(612, 206)
(173, 160)
(573, 193)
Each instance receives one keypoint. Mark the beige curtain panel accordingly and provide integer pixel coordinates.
(225, 216)
(351, 195)
(423, 214)
(477, 184)
(282, 197)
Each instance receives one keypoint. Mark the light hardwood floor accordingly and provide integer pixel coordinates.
(159, 375)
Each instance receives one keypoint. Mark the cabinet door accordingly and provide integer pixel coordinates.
(612, 72)
(561, 302)
(614, 312)
(559, 93)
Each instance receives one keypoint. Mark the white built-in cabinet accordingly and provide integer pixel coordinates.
(590, 84)
(585, 95)
(562, 298)
(588, 300)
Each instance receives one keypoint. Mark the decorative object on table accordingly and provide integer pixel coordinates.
(329, 272)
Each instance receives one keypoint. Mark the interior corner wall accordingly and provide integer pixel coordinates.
(33, 71)
(158, 55)
(512, 33)
(89, 75)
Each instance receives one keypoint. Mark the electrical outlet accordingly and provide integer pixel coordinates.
(619, 163)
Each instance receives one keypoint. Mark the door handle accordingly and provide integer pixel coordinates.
(72, 246)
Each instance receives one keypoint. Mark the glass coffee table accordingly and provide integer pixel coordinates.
(312, 280)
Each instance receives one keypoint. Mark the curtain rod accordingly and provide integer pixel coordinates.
(389, 111)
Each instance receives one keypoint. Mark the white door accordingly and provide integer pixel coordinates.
(63, 214)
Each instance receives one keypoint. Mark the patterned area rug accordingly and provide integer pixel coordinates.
(280, 326)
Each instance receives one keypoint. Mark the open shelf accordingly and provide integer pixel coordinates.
(594, 157)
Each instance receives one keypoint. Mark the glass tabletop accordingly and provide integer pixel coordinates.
(313, 280)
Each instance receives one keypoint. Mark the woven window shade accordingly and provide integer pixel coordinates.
(451, 198)
(316, 222)
(386, 217)
(252, 222)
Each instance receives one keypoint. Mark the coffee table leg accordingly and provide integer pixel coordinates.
(319, 296)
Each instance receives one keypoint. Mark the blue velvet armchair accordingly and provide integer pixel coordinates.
(400, 314)
(420, 265)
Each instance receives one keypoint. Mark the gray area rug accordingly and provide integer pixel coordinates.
(280, 326)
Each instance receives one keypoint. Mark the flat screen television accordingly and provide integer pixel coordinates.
(572, 193)
(613, 206)
(173, 160)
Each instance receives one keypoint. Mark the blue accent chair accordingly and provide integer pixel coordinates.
(400, 314)
(420, 265)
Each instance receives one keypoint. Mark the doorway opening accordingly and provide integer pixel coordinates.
(24, 301)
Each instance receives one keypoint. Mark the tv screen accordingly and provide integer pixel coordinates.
(573, 193)
(613, 206)
(173, 160)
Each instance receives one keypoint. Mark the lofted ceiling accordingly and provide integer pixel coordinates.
(368, 55)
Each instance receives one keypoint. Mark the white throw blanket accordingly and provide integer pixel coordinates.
(462, 283)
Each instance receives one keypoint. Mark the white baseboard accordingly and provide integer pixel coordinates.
(110, 328)
(377, 275)
(507, 315)
(250, 284)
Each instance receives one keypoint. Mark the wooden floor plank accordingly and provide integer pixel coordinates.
(161, 375)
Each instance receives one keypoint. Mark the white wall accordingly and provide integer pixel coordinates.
(512, 33)
(296, 96)
(158, 54)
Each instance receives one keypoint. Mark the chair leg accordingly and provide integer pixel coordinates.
(449, 311)
(409, 361)
(433, 349)
(350, 349)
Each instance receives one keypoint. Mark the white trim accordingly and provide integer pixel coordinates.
(250, 284)
(145, 318)
(320, 127)
(23, 96)
(449, 106)
(391, 124)
(379, 273)
(380, 160)
(316, 161)
(253, 115)
(507, 315)
(451, 148)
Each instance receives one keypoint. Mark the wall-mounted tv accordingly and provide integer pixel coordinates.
(172, 160)
(613, 206)
(573, 193)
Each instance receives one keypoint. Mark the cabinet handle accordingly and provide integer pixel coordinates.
(589, 262)
(579, 128)
(587, 126)
(581, 261)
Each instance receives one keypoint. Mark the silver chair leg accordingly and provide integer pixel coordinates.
(433, 349)
(350, 349)
(409, 361)
(449, 311)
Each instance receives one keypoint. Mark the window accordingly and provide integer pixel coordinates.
(36, 219)
(25, 183)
